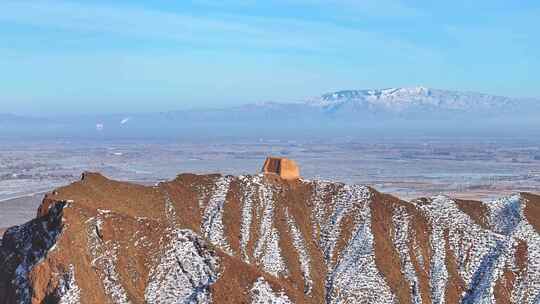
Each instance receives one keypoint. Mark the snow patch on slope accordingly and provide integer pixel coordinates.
(212, 221)
(355, 277)
(104, 259)
(249, 187)
(262, 293)
(170, 210)
(481, 255)
(475, 259)
(330, 226)
(300, 246)
(320, 191)
(439, 272)
(267, 250)
(68, 291)
(185, 271)
(401, 237)
(506, 217)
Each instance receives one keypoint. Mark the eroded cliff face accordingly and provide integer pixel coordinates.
(260, 239)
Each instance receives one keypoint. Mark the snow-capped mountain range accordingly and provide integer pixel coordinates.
(422, 104)
(399, 99)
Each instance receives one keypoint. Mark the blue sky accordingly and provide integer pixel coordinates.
(137, 56)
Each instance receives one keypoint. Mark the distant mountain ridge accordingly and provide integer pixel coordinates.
(395, 99)
(335, 112)
(421, 103)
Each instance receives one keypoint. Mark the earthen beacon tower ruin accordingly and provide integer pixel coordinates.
(282, 167)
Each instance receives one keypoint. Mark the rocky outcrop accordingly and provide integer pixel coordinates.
(258, 239)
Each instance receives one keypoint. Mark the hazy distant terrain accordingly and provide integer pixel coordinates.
(372, 113)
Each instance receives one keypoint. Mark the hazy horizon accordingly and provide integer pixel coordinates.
(219, 107)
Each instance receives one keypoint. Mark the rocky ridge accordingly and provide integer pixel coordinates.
(261, 239)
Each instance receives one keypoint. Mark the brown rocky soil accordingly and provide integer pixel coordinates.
(532, 210)
(478, 211)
